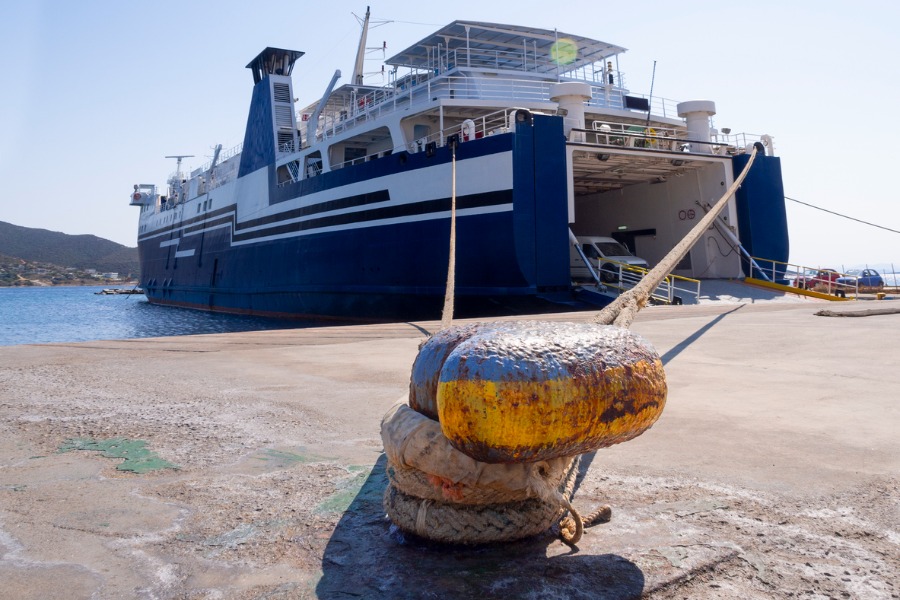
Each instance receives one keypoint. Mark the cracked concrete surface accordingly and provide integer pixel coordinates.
(773, 472)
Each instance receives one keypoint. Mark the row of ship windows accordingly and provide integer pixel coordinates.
(207, 205)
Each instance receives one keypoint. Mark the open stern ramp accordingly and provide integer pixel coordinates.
(642, 190)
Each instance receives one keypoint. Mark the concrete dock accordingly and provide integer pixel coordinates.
(774, 471)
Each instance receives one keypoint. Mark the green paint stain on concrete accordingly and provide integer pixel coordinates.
(282, 458)
(365, 485)
(138, 458)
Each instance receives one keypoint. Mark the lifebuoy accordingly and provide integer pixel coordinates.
(468, 130)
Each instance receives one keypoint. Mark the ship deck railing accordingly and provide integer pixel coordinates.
(671, 139)
(673, 289)
(223, 157)
(509, 61)
(523, 61)
(615, 133)
(226, 171)
(493, 123)
(498, 86)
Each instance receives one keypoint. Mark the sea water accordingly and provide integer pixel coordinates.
(38, 315)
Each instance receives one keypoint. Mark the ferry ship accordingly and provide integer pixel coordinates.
(343, 209)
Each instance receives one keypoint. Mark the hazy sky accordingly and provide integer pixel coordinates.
(96, 93)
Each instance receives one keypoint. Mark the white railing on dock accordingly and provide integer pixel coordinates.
(820, 279)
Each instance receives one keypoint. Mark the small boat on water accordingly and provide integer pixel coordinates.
(342, 209)
(119, 291)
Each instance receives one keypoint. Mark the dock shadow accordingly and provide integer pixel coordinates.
(680, 347)
(367, 557)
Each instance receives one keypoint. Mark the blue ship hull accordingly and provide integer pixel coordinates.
(388, 262)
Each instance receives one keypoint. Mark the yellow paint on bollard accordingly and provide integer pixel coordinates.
(524, 421)
(526, 391)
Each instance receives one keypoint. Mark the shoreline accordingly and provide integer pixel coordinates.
(39, 283)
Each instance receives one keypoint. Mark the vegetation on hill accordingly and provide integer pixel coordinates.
(40, 257)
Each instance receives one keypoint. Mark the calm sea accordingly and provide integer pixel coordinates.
(37, 315)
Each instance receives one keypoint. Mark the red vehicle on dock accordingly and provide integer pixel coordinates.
(823, 281)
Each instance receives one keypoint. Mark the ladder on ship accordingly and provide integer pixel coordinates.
(293, 168)
(729, 235)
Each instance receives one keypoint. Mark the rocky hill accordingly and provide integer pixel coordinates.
(31, 256)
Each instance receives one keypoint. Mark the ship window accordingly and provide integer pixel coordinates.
(354, 155)
(198, 209)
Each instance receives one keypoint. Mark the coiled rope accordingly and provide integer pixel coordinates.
(437, 492)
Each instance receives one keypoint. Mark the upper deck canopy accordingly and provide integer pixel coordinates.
(506, 42)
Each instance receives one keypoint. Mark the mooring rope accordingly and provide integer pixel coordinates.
(447, 314)
(572, 527)
(624, 309)
(496, 521)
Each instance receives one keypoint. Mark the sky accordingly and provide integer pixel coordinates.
(96, 93)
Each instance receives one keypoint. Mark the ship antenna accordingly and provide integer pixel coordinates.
(178, 158)
(650, 99)
(361, 51)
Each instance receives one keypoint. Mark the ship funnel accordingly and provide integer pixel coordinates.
(571, 97)
(697, 113)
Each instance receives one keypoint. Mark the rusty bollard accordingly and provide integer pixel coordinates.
(528, 391)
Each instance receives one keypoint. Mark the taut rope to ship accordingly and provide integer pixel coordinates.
(498, 415)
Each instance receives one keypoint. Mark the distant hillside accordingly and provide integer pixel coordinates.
(72, 251)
